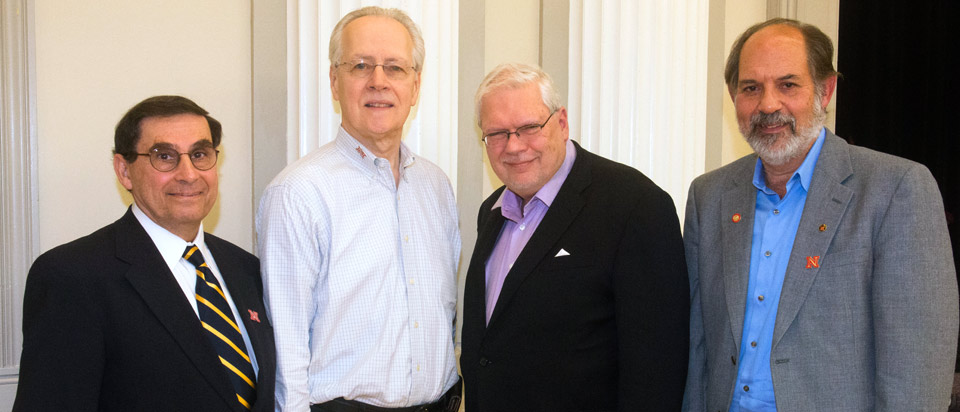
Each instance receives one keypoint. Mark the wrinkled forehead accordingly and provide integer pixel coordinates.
(180, 132)
(378, 38)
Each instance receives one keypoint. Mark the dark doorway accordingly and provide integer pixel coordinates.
(899, 92)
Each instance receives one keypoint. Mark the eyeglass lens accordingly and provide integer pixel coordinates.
(165, 159)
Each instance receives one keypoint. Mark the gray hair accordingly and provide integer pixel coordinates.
(419, 52)
(513, 76)
(819, 52)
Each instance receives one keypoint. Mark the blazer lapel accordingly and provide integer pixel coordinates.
(826, 204)
(151, 278)
(475, 290)
(565, 207)
(736, 224)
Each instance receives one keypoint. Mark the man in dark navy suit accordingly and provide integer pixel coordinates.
(150, 313)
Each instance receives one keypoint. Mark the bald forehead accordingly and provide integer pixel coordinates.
(777, 38)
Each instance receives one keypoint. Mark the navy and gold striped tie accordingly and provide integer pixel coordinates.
(222, 330)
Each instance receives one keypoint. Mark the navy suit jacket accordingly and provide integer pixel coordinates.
(106, 327)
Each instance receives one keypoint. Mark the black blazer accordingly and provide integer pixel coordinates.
(106, 327)
(603, 329)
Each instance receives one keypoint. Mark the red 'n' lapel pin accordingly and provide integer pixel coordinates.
(362, 154)
(254, 316)
(736, 218)
(813, 262)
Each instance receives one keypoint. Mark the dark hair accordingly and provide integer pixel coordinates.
(819, 51)
(127, 134)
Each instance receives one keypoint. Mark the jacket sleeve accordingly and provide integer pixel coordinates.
(652, 308)
(62, 362)
(914, 299)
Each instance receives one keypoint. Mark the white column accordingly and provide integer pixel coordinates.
(19, 239)
(313, 118)
(638, 85)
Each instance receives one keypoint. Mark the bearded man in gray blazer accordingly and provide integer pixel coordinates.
(821, 273)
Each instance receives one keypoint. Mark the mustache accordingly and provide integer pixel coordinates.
(776, 118)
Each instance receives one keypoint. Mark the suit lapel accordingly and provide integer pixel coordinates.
(151, 278)
(826, 203)
(475, 290)
(737, 209)
(565, 207)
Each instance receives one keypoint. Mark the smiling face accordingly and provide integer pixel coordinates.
(524, 165)
(778, 107)
(375, 107)
(177, 200)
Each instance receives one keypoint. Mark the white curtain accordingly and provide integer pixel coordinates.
(313, 119)
(638, 85)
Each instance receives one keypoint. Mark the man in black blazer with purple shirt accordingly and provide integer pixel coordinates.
(589, 311)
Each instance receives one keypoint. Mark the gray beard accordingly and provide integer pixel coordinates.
(776, 150)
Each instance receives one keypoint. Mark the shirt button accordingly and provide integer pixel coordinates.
(523, 226)
(760, 298)
(753, 344)
(746, 388)
(418, 367)
(776, 211)
(416, 325)
(406, 238)
(411, 281)
(767, 253)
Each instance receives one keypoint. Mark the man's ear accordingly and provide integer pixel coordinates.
(122, 169)
(333, 83)
(829, 87)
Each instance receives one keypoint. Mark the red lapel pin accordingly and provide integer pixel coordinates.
(736, 218)
(254, 316)
(813, 262)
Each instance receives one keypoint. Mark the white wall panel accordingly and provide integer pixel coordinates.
(638, 85)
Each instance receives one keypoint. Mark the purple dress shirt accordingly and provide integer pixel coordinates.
(521, 222)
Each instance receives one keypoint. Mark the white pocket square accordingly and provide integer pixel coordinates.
(562, 253)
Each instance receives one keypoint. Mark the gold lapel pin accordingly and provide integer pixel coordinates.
(823, 227)
(736, 218)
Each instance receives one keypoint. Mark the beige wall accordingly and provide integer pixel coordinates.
(94, 60)
(512, 34)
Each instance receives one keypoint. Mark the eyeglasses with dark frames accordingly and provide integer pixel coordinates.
(165, 159)
(499, 138)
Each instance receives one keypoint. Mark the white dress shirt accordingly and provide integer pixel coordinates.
(360, 277)
(171, 248)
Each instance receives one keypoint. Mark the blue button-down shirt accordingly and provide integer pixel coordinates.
(774, 229)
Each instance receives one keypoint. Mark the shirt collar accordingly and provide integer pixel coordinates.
(803, 174)
(364, 158)
(510, 202)
(171, 246)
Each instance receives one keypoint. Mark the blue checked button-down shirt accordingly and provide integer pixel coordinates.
(774, 230)
(360, 277)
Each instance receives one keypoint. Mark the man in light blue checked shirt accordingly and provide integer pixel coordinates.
(359, 243)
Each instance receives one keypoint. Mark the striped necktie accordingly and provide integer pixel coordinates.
(222, 330)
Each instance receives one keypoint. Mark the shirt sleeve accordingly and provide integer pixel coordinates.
(291, 259)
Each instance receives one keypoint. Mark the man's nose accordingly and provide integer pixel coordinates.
(770, 101)
(378, 79)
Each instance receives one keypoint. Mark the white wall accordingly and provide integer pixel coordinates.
(95, 60)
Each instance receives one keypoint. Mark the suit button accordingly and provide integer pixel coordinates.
(484, 361)
(734, 360)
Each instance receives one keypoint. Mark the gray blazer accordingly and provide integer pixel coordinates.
(871, 326)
